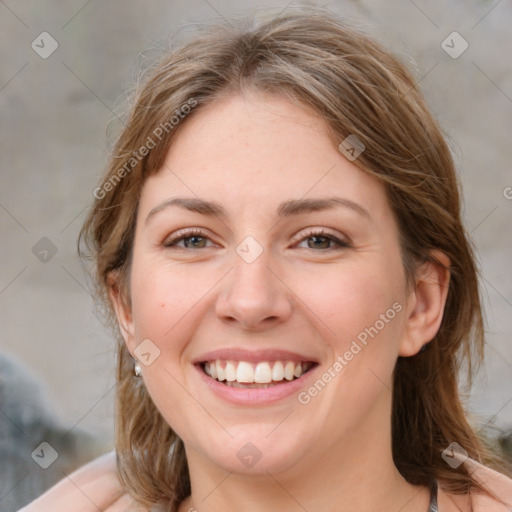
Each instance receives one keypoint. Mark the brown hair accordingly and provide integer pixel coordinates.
(357, 87)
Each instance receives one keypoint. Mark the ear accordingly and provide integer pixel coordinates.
(426, 302)
(119, 297)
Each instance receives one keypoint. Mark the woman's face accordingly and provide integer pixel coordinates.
(261, 253)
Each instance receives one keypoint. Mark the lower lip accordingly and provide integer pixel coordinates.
(255, 396)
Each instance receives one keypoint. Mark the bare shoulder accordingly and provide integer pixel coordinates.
(90, 488)
(498, 484)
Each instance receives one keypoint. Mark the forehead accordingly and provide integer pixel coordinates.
(252, 151)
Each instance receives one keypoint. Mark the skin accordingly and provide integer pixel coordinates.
(250, 153)
(95, 487)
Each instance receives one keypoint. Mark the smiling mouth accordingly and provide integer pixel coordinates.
(264, 374)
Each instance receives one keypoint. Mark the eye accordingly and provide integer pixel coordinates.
(192, 238)
(197, 239)
(322, 240)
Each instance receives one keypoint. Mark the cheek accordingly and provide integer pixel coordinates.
(361, 313)
(348, 299)
(163, 303)
(163, 295)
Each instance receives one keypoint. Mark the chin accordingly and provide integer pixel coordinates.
(251, 454)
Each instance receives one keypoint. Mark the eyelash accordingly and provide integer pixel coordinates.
(312, 232)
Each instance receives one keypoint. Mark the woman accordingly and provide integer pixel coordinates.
(278, 237)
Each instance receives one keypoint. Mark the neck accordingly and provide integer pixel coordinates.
(357, 473)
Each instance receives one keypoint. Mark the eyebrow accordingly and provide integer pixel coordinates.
(285, 209)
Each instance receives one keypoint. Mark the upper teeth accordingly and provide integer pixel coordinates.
(261, 373)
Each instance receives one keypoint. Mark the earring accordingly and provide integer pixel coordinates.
(422, 349)
(136, 369)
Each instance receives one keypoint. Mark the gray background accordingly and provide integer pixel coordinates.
(55, 114)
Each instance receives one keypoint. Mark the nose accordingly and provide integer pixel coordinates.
(254, 295)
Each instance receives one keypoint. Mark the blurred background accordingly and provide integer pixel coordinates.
(65, 68)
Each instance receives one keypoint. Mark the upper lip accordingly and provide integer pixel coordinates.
(252, 356)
